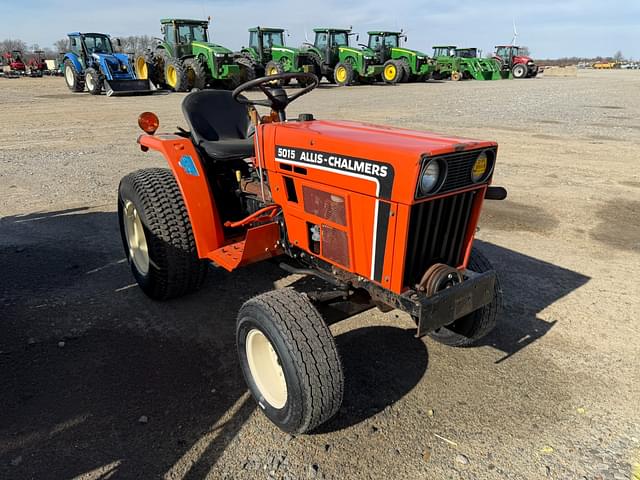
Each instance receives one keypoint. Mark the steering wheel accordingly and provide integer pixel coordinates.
(277, 97)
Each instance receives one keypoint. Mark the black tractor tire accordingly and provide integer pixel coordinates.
(316, 67)
(173, 268)
(71, 74)
(392, 72)
(466, 331)
(305, 351)
(519, 70)
(343, 74)
(160, 58)
(248, 69)
(175, 75)
(406, 70)
(197, 74)
(93, 80)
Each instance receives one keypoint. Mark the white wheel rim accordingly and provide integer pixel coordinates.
(68, 75)
(137, 242)
(266, 369)
(90, 82)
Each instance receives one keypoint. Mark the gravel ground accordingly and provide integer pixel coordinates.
(97, 381)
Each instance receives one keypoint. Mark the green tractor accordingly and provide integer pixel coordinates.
(399, 64)
(185, 59)
(268, 55)
(341, 63)
(474, 66)
(448, 65)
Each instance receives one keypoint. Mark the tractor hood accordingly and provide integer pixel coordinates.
(366, 51)
(410, 52)
(115, 61)
(213, 47)
(387, 160)
(522, 59)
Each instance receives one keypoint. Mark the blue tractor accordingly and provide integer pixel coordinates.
(91, 62)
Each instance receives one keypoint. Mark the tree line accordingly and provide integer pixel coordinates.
(128, 44)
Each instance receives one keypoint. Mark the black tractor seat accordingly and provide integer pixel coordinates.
(219, 125)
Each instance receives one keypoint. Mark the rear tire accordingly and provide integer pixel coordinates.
(72, 77)
(93, 81)
(343, 74)
(467, 330)
(289, 360)
(153, 218)
(274, 68)
(248, 69)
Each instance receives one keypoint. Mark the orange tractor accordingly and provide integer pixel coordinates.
(385, 216)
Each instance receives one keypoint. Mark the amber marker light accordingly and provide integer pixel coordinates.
(148, 121)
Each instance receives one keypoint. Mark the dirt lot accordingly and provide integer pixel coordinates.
(553, 393)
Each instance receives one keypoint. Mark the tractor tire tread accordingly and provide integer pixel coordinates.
(177, 270)
(314, 351)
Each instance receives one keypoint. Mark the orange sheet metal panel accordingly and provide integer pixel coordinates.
(188, 170)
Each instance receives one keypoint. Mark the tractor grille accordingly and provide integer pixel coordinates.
(437, 229)
(459, 167)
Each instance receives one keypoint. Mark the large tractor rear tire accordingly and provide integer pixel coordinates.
(73, 78)
(93, 80)
(197, 74)
(289, 360)
(392, 72)
(157, 236)
(343, 74)
(175, 75)
(467, 330)
(519, 70)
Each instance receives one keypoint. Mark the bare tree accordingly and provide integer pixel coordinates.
(136, 43)
(10, 44)
(62, 45)
(618, 57)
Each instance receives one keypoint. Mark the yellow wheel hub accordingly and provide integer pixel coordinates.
(141, 69)
(272, 71)
(390, 72)
(172, 76)
(341, 74)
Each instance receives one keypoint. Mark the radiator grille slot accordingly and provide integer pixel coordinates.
(437, 229)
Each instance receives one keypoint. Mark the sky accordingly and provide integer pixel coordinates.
(550, 28)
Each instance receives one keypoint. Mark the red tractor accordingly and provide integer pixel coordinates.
(14, 60)
(386, 217)
(513, 60)
(37, 64)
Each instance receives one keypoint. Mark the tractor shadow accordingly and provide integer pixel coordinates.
(529, 286)
(138, 389)
(142, 389)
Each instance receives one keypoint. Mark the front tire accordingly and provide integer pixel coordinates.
(467, 330)
(93, 80)
(175, 75)
(197, 74)
(343, 74)
(157, 236)
(392, 72)
(519, 70)
(289, 360)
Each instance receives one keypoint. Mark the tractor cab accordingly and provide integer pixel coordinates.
(467, 52)
(328, 42)
(179, 34)
(444, 51)
(262, 40)
(382, 44)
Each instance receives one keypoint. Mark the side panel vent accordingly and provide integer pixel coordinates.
(324, 205)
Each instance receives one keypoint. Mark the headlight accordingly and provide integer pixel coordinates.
(431, 177)
(219, 55)
(480, 167)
